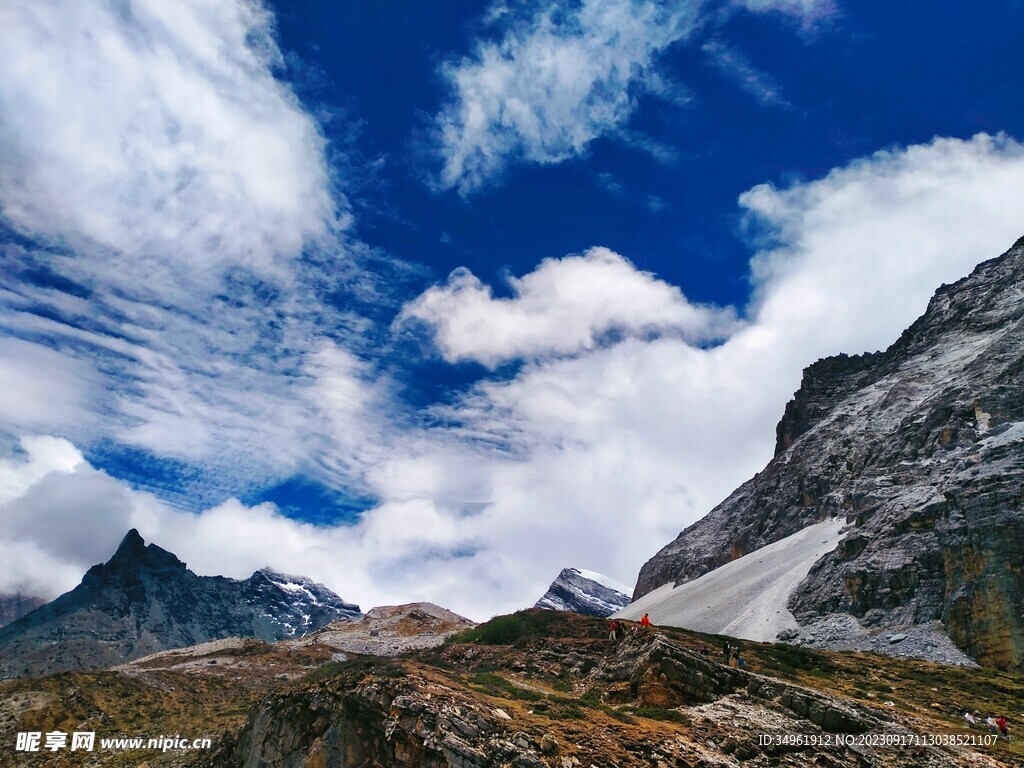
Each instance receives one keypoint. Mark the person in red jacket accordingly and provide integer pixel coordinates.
(613, 630)
(1003, 729)
(645, 622)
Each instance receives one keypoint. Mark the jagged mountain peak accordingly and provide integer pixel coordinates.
(133, 552)
(586, 592)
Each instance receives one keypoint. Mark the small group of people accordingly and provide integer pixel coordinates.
(995, 724)
(617, 627)
(731, 655)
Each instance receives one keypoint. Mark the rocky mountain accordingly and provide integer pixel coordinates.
(292, 606)
(14, 606)
(587, 592)
(144, 600)
(921, 449)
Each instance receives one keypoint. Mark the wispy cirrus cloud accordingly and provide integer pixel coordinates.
(736, 66)
(184, 253)
(560, 76)
(808, 11)
(556, 80)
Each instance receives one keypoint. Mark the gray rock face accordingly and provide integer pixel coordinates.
(145, 600)
(574, 591)
(922, 448)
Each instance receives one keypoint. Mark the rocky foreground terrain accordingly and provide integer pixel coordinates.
(921, 449)
(144, 600)
(538, 689)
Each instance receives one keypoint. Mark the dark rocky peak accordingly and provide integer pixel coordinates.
(133, 556)
(824, 384)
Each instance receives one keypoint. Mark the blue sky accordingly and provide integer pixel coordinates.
(411, 297)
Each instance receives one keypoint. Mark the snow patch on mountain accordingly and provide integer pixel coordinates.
(748, 597)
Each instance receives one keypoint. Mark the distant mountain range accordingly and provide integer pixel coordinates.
(586, 592)
(144, 600)
(920, 449)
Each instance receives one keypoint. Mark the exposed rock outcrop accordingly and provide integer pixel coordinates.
(921, 447)
(389, 630)
(144, 600)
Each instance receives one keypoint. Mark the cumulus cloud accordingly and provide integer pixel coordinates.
(867, 245)
(560, 78)
(564, 306)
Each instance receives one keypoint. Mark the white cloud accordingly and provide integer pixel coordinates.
(618, 430)
(866, 246)
(40, 455)
(735, 65)
(807, 10)
(564, 306)
(551, 85)
(595, 458)
(158, 132)
(44, 388)
(188, 228)
(562, 78)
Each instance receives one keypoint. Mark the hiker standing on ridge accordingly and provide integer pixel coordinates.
(645, 622)
(1003, 728)
(971, 722)
(613, 630)
(726, 652)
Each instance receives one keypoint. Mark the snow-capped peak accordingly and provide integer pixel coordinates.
(583, 591)
(604, 581)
